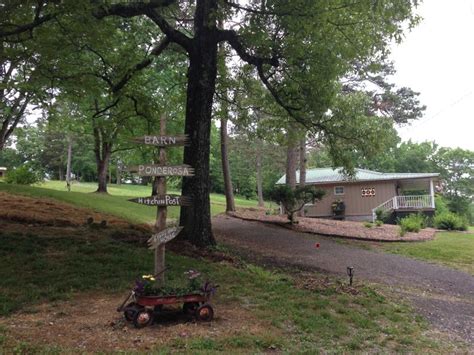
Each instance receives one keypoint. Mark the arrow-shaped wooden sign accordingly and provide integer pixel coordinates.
(163, 141)
(163, 237)
(162, 170)
(164, 200)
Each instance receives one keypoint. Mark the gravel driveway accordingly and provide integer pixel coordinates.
(444, 296)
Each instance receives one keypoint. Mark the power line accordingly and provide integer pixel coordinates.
(452, 104)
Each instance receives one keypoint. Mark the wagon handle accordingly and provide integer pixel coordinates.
(162, 271)
(119, 309)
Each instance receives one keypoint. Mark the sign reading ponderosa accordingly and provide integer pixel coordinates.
(162, 170)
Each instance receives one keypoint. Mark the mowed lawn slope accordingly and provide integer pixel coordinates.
(60, 285)
(115, 202)
(453, 249)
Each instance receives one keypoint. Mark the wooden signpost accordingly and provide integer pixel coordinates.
(165, 200)
(162, 170)
(162, 200)
(163, 237)
(163, 140)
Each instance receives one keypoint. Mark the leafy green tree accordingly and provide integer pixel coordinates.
(294, 199)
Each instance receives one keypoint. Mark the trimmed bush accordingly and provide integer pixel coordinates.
(23, 176)
(368, 225)
(382, 215)
(378, 223)
(450, 221)
(412, 223)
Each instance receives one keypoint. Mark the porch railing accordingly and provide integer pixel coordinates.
(405, 202)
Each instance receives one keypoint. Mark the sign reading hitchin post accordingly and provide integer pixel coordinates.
(162, 200)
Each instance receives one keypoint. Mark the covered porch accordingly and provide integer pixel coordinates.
(412, 195)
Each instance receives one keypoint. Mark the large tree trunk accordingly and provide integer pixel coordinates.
(102, 169)
(119, 173)
(261, 203)
(68, 164)
(202, 73)
(102, 151)
(291, 162)
(229, 193)
(302, 182)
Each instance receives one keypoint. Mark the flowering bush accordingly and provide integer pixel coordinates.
(338, 206)
(146, 286)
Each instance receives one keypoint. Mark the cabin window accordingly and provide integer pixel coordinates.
(339, 190)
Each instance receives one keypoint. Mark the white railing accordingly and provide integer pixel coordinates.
(402, 202)
(414, 201)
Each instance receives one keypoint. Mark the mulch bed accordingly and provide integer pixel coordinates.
(333, 228)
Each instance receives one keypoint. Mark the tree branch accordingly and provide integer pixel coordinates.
(141, 65)
(130, 8)
(233, 39)
(173, 34)
(19, 29)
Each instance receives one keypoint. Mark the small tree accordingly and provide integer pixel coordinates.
(293, 200)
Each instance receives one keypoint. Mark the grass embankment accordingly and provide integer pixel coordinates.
(115, 202)
(272, 310)
(453, 249)
(45, 268)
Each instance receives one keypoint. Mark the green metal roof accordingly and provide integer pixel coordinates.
(330, 175)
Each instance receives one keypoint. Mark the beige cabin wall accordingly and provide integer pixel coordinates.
(356, 205)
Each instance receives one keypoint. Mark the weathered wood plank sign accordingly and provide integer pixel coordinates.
(163, 141)
(164, 200)
(162, 170)
(163, 237)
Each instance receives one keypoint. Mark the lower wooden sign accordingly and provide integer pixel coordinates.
(163, 237)
(163, 200)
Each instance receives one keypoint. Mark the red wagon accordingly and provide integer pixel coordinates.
(142, 309)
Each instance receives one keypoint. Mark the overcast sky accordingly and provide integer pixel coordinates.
(437, 60)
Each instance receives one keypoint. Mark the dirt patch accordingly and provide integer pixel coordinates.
(343, 229)
(90, 323)
(48, 212)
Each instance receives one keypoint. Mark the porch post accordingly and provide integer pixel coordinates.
(432, 194)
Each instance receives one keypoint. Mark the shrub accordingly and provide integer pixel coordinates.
(412, 223)
(378, 223)
(441, 205)
(450, 221)
(382, 215)
(368, 225)
(294, 200)
(23, 175)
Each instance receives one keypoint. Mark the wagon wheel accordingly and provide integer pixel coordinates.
(130, 310)
(205, 313)
(190, 307)
(142, 318)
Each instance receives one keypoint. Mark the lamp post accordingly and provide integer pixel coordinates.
(350, 273)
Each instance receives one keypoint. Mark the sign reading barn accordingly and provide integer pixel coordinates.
(163, 141)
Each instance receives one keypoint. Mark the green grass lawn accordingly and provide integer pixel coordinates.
(51, 264)
(115, 202)
(453, 249)
(37, 267)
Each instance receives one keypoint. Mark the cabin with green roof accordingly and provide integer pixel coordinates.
(397, 194)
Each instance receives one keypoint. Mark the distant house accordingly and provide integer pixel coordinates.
(397, 194)
(2, 171)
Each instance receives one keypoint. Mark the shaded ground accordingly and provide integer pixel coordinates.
(346, 229)
(90, 323)
(444, 296)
